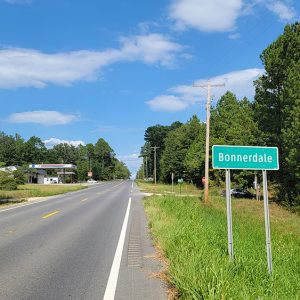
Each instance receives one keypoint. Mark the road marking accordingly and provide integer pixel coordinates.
(84, 199)
(51, 214)
(115, 268)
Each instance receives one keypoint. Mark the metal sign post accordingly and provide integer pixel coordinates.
(247, 158)
(229, 215)
(267, 221)
(180, 181)
(256, 186)
(172, 176)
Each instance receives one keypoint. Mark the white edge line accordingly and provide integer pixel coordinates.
(27, 204)
(115, 268)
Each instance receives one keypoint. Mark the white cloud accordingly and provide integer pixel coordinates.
(203, 15)
(282, 10)
(183, 96)
(42, 117)
(222, 16)
(33, 68)
(167, 103)
(55, 141)
(239, 82)
(151, 49)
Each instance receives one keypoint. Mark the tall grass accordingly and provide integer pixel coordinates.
(161, 188)
(38, 190)
(193, 238)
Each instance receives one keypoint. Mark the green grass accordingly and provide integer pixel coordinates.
(161, 188)
(38, 190)
(193, 239)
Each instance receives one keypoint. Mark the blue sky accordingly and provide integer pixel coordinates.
(74, 71)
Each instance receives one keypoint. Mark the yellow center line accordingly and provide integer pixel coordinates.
(51, 214)
(84, 199)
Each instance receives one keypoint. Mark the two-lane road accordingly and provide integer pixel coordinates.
(62, 248)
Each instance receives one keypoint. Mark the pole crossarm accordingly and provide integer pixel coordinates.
(207, 85)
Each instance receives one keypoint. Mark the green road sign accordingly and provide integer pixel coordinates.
(245, 157)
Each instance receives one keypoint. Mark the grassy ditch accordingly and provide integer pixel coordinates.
(193, 239)
(36, 190)
(166, 189)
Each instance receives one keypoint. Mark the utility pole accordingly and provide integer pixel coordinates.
(146, 167)
(208, 85)
(155, 148)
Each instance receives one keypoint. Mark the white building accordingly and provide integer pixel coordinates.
(37, 177)
(52, 180)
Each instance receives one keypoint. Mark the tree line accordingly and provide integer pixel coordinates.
(271, 119)
(99, 158)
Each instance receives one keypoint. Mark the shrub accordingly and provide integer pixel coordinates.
(7, 181)
(19, 176)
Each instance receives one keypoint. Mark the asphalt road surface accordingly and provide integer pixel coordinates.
(90, 244)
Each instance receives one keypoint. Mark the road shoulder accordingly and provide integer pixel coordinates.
(139, 265)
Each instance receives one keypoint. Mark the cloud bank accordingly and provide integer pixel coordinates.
(183, 96)
(285, 12)
(55, 141)
(32, 68)
(203, 15)
(42, 117)
(220, 15)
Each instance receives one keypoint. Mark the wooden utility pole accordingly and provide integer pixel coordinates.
(154, 148)
(208, 85)
(146, 167)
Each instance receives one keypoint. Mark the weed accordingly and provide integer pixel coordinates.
(36, 190)
(193, 238)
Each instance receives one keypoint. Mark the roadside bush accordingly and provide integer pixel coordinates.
(19, 177)
(7, 181)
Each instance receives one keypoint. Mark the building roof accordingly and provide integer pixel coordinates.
(9, 168)
(52, 166)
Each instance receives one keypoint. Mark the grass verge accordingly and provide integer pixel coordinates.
(166, 189)
(193, 238)
(37, 190)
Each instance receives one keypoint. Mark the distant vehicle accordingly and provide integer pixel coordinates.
(91, 181)
(242, 193)
(239, 193)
